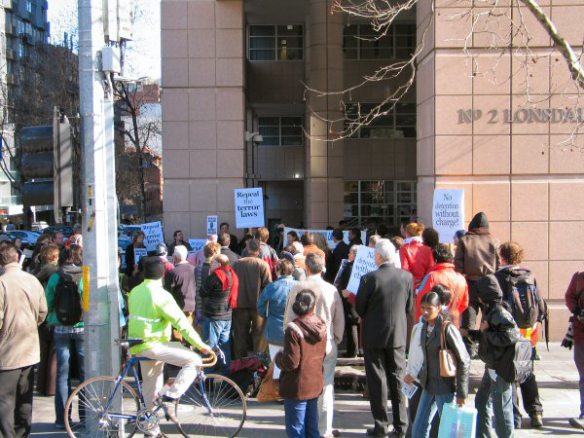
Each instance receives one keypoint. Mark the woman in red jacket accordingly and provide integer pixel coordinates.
(416, 257)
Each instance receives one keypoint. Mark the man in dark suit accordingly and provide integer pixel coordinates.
(340, 252)
(384, 299)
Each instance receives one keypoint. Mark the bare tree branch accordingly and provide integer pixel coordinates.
(561, 44)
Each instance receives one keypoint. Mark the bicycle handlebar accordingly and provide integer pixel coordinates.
(209, 360)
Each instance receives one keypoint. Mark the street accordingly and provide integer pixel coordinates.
(556, 375)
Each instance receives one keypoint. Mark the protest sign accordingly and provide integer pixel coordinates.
(249, 208)
(153, 233)
(328, 235)
(364, 263)
(139, 253)
(197, 244)
(212, 225)
(448, 213)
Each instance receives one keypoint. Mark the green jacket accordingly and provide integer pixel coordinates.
(153, 313)
(50, 293)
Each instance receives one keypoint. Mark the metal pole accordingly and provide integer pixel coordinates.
(98, 190)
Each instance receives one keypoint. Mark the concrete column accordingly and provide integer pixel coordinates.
(324, 159)
(475, 132)
(203, 111)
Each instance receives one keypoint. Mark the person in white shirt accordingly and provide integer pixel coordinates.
(329, 307)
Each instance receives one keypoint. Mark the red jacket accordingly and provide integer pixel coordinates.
(417, 259)
(444, 273)
(575, 298)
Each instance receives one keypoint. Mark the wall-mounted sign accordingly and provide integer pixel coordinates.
(523, 115)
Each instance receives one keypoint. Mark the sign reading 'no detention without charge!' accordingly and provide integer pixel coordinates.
(249, 208)
(448, 213)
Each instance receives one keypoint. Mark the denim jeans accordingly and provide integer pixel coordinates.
(494, 396)
(217, 333)
(428, 406)
(65, 345)
(579, 361)
(301, 418)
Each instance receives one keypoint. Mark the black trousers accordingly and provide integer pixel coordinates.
(469, 316)
(531, 402)
(384, 368)
(352, 337)
(16, 390)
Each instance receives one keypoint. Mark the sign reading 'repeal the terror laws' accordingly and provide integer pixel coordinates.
(448, 213)
(249, 208)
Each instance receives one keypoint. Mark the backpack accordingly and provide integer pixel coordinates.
(523, 298)
(68, 299)
(523, 360)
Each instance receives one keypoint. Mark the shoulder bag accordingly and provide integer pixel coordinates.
(447, 357)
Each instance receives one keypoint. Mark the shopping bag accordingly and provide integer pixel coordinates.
(270, 388)
(457, 422)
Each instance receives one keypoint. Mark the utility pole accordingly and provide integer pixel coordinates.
(99, 218)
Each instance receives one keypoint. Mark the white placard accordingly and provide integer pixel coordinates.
(197, 244)
(153, 233)
(328, 235)
(364, 263)
(448, 213)
(249, 208)
(212, 225)
(139, 253)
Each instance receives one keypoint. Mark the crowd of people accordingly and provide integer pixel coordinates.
(288, 297)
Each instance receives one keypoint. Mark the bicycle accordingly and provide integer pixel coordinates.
(107, 406)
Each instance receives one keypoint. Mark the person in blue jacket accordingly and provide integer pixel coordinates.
(272, 305)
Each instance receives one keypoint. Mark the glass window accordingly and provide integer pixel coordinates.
(399, 122)
(361, 41)
(269, 43)
(378, 201)
(281, 131)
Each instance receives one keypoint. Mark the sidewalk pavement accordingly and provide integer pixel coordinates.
(556, 375)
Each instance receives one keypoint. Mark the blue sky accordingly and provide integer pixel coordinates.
(143, 55)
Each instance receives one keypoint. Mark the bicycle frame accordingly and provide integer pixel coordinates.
(132, 365)
(119, 379)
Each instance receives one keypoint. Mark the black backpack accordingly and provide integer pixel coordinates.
(523, 298)
(68, 299)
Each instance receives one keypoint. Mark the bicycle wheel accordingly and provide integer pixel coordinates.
(214, 406)
(87, 409)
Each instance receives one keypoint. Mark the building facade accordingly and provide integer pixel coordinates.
(23, 29)
(492, 111)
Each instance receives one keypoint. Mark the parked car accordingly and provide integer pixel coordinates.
(30, 236)
(8, 236)
(65, 229)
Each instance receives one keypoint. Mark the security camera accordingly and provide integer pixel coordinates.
(255, 137)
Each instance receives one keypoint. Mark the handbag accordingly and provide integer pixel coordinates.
(270, 388)
(447, 357)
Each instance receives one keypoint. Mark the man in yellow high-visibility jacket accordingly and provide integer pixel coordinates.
(153, 313)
